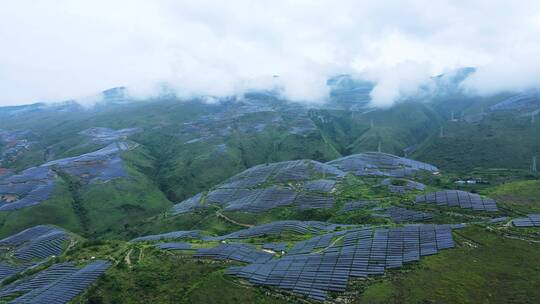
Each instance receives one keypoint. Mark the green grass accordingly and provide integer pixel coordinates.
(501, 140)
(57, 210)
(166, 277)
(520, 196)
(499, 270)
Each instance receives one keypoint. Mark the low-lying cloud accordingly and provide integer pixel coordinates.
(57, 50)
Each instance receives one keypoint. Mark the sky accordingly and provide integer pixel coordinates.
(57, 50)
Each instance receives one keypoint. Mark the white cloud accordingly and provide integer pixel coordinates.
(56, 50)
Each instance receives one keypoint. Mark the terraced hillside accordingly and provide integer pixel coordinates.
(93, 193)
(272, 201)
(370, 243)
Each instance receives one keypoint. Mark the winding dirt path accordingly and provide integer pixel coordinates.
(127, 259)
(332, 244)
(219, 214)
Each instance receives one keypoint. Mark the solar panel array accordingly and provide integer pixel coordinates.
(276, 247)
(38, 242)
(105, 135)
(400, 215)
(249, 191)
(66, 287)
(260, 200)
(357, 205)
(35, 185)
(46, 245)
(401, 189)
(187, 205)
(362, 253)
(457, 198)
(256, 200)
(292, 171)
(222, 196)
(39, 280)
(104, 164)
(182, 234)
(235, 251)
(522, 101)
(320, 185)
(27, 235)
(311, 244)
(250, 177)
(313, 201)
(532, 220)
(499, 220)
(296, 170)
(7, 270)
(279, 227)
(29, 188)
(380, 164)
(174, 246)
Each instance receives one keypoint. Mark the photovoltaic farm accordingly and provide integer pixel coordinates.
(27, 252)
(36, 243)
(532, 220)
(29, 188)
(36, 185)
(461, 199)
(60, 285)
(357, 205)
(381, 164)
(267, 186)
(104, 164)
(400, 215)
(359, 253)
(261, 200)
(102, 135)
(402, 186)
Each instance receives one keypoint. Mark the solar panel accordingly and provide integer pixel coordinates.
(357, 205)
(37, 243)
(457, 198)
(363, 252)
(235, 251)
(380, 164)
(278, 227)
(276, 247)
(39, 280)
(30, 247)
(320, 185)
(404, 186)
(313, 201)
(400, 215)
(187, 205)
(36, 185)
(27, 189)
(66, 287)
(174, 246)
(182, 234)
(532, 220)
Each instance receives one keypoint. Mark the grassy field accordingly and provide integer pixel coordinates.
(520, 196)
(57, 210)
(154, 276)
(485, 268)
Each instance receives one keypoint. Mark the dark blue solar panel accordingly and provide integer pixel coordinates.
(457, 198)
(362, 252)
(235, 251)
(39, 280)
(67, 287)
(174, 246)
(190, 234)
(532, 220)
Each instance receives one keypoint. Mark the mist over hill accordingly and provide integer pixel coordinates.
(269, 152)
